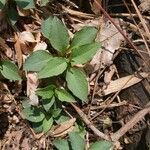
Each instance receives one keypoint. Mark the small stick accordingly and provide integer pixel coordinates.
(117, 135)
(89, 124)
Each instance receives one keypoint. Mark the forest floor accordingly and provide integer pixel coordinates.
(117, 109)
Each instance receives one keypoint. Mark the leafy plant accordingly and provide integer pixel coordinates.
(9, 70)
(67, 82)
(76, 142)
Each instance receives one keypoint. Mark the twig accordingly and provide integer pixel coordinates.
(110, 106)
(89, 124)
(117, 135)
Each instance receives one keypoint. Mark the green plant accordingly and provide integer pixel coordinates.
(67, 82)
(9, 70)
(76, 142)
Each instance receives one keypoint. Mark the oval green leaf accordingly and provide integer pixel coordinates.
(37, 60)
(77, 83)
(102, 145)
(61, 144)
(33, 114)
(47, 123)
(56, 32)
(46, 92)
(9, 70)
(64, 96)
(53, 67)
(84, 36)
(48, 103)
(77, 142)
(83, 54)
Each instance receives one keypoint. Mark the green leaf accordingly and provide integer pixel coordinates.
(83, 54)
(13, 15)
(9, 70)
(33, 114)
(48, 103)
(64, 96)
(37, 126)
(46, 92)
(2, 4)
(77, 83)
(47, 123)
(56, 112)
(84, 36)
(77, 143)
(54, 67)
(101, 145)
(25, 4)
(56, 32)
(37, 60)
(44, 2)
(61, 144)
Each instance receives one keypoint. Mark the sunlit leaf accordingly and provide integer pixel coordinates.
(77, 83)
(37, 60)
(77, 142)
(83, 54)
(61, 144)
(84, 36)
(54, 30)
(54, 67)
(64, 96)
(102, 145)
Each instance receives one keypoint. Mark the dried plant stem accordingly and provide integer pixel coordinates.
(139, 116)
(89, 124)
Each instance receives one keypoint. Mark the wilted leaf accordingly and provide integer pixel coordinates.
(37, 60)
(77, 142)
(84, 36)
(61, 144)
(102, 145)
(46, 92)
(9, 70)
(56, 32)
(63, 127)
(77, 83)
(64, 96)
(54, 67)
(83, 54)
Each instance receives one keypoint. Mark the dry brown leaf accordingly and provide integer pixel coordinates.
(6, 48)
(111, 40)
(145, 5)
(64, 128)
(18, 51)
(32, 84)
(122, 83)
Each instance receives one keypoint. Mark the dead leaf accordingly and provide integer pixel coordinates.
(63, 128)
(122, 83)
(18, 51)
(32, 84)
